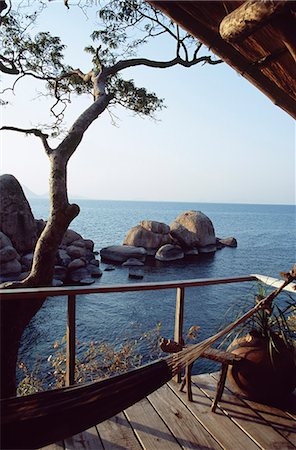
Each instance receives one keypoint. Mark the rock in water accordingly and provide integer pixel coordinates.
(16, 218)
(121, 253)
(132, 262)
(155, 227)
(149, 234)
(199, 226)
(169, 252)
(19, 232)
(136, 273)
(228, 242)
(184, 237)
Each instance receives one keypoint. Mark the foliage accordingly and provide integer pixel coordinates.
(94, 361)
(31, 382)
(269, 322)
(122, 28)
(40, 56)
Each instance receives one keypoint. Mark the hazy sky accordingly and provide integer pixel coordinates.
(218, 140)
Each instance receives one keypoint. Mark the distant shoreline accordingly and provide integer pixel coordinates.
(44, 197)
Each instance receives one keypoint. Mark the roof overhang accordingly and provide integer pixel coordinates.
(257, 38)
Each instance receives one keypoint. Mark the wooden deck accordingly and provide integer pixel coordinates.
(167, 421)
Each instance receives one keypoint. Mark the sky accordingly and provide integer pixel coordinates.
(219, 139)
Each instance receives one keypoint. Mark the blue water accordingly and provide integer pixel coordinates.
(266, 245)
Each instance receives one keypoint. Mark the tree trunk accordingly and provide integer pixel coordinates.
(16, 314)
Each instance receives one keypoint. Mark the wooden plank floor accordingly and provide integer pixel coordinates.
(167, 421)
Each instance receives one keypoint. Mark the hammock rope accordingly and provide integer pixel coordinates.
(39, 419)
(189, 354)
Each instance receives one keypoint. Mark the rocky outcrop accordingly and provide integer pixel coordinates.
(183, 236)
(148, 234)
(200, 228)
(16, 218)
(76, 255)
(155, 227)
(75, 259)
(169, 252)
(67, 268)
(190, 234)
(9, 257)
(121, 253)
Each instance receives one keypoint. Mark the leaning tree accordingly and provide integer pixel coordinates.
(122, 28)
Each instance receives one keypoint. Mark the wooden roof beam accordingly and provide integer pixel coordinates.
(249, 17)
(186, 15)
(286, 29)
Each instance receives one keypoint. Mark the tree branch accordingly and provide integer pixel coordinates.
(120, 65)
(75, 135)
(178, 42)
(158, 22)
(34, 131)
(184, 49)
(3, 6)
(197, 50)
(12, 70)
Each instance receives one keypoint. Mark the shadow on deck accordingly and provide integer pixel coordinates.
(165, 420)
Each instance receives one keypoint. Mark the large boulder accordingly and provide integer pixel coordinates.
(16, 218)
(9, 259)
(148, 234)
(19, 232)
(4, 241)
(8, 253)
(69, 237)
(121, 253)
(11, 267)
(184, 237)
(169, 252)
(76, 264)
(155, 227)
(76, 252)
(200, 227)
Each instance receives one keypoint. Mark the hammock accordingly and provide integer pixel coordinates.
(39, 419)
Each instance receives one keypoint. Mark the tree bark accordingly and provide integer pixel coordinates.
(16, 314)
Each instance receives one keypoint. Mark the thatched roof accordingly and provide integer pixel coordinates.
(259, 40)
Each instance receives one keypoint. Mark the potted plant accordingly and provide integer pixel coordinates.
(266, 341)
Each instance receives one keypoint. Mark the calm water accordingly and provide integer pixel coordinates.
(266, 245)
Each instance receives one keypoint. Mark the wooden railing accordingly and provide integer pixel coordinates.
(72, 291)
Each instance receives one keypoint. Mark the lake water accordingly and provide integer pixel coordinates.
(266, 245)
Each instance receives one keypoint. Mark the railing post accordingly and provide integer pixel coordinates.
(70, 339)
(179, 318)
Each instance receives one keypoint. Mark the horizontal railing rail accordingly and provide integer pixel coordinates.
(39, 292)
(72, 291)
